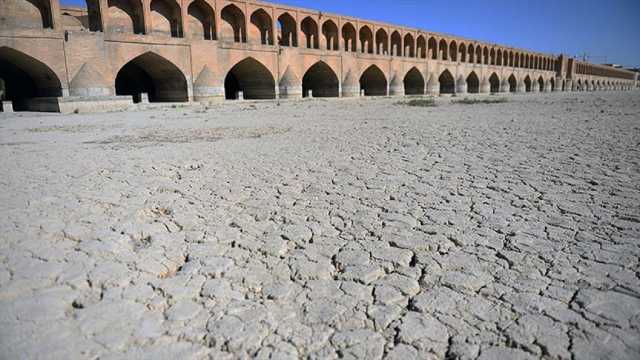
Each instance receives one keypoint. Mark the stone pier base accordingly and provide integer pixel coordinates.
(6, 106)
(75, 104)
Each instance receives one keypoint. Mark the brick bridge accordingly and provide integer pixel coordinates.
(119, 51)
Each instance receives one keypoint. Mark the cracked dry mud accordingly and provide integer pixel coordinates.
(322, 230)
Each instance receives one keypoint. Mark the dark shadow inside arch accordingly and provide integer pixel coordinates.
(330, 33)
(264, 26)
(310, 30)
(125, 16)
(24, 78)
(366, 40)
(473, 83)
(234, 27)
(321, 81)
(373, 82)
(252, 78)
(494, 81)
(201, 20)
(170, 11)
(527, 83)
(447, 83)
(513, 84)
(288, 34)
(154, 75)
(349, 37)
(414, 82)
(432, 46)
(540, 84)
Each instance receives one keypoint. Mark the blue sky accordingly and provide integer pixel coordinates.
(607, 31)
(599, 28)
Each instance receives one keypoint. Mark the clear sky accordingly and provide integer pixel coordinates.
(606, 30)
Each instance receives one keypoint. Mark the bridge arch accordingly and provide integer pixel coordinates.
(421, 47)
(234, 24)
(288, 30)
(125, 16)
(366, 40)
(540, 84)
(414, 82)
(462, 52)
(166, 18)
(473, 83)
(201, 20)
(447, 82)
(432, 47)
(154, 75)
(373, 82)
(471, 50)
(527, 83)
(349, 37)
(396, 44)
(513, 84)
(382, 42)
(330, 33)
(262, 29)
(26, 77)
(321, 80)
(252, 78)
(310, 30)
(453, 51)
(443, 48)
(409, 46)
(494, 81)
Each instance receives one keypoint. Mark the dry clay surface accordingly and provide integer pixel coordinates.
(324, 229)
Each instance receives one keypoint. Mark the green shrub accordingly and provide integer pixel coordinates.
(418, 102)
(469, 101)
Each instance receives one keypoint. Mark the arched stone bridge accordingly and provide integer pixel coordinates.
(202, 50)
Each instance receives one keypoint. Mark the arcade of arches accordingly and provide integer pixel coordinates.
(227, 52)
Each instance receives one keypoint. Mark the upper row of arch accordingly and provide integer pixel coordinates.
(313, 31)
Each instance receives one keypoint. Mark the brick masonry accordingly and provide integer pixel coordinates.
(260, 50)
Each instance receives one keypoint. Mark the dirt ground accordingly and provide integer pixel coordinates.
(324, 229)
